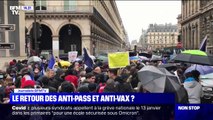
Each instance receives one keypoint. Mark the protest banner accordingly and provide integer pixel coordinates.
(118, 59)
(72, 56)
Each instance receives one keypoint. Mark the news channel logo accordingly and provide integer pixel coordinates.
(15, 9)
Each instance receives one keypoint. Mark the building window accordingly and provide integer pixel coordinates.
(41, 5)
(70, 5)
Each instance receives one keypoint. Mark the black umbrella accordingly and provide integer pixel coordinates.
(161, 81)
(145, 55)
(174, 86)
(196, 59)
(168, 66)
(132, 53)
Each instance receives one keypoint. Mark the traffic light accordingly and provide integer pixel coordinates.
(38, 30)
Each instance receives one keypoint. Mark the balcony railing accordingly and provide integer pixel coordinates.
(65, 9)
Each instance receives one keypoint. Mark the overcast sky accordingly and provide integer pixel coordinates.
(137, 15)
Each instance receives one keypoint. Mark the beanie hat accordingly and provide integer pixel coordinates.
(73, 79)
(27, 83)
(12, 63)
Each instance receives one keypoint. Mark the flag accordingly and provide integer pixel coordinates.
(42, 69)
(174, 52)
(87, 59)
(51, 62)
(203, 44)
(173, 55)
(164, 60)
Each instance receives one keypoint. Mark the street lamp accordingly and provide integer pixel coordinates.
(35, 29)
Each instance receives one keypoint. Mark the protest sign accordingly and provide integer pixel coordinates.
(72, 56)
(118, 59)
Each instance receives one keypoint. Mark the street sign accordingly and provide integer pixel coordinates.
(4, 46)
(7, 27)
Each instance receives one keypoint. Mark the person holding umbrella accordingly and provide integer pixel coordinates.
(196, 75)
(193, 88)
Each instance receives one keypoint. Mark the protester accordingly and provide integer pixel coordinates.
(113, 73)
(58, 79)
(45, 84)
(90, 78)
(97, 70)
(100, 80)
(26, 77)
(196, 75)
(97, 78)
(134, 76)
(2, 91)
(193, 88)
(122, 86)
(37, 72)
(179, 73)
(71, 76)
(92, 87)
(66, 87)
(50, 73)
(110, 86)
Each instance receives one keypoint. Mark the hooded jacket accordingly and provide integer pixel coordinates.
(194, 90)
(57, 79)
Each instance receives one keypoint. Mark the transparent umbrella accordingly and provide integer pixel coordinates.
(34, 59)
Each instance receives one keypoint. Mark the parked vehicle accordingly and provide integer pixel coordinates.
(207, 84)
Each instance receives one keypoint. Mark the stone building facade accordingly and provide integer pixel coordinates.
(142, 40)
(197, 23)
(70, 25)
(16, 36)
(190, 24)
(159, 36)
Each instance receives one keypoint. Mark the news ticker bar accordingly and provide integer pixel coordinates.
(178, 111)
(79, 98)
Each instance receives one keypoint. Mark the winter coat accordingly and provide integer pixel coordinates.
(2, 93)
(122, 86)
(58, 79)
(194, 90)
(56, 82)
(83, 87)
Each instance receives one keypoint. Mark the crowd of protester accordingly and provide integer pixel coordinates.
(78, 78)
